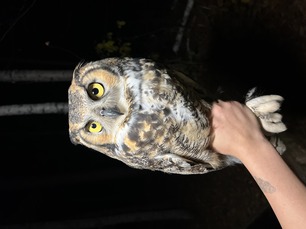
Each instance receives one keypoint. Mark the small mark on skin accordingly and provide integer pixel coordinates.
(265, 186)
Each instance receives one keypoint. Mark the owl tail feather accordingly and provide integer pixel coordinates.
(265, 108)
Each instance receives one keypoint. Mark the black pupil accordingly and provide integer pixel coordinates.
(93, 125)
(95, 91)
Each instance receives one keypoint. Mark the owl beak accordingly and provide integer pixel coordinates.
(110, 112)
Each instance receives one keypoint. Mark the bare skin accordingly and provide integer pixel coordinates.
(237, 132)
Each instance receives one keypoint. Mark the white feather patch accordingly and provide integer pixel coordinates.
(273, 127)
(268, 107)
(263, 99)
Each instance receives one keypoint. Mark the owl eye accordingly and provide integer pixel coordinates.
(94, 127)
(95, 91)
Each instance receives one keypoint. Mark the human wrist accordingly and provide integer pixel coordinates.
(253, 148)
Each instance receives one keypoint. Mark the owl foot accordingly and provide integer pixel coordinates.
(265, 108)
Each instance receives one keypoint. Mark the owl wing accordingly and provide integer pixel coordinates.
(172, 163)
(176, 164)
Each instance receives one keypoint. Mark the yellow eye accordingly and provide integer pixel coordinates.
(95, 91)
(94, 127)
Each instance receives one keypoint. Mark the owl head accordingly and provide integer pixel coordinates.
(98, 103)
(103, 96)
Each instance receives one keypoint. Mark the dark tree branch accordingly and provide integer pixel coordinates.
(30, 109)
(35, 75)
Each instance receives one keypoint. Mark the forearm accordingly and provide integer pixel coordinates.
(284, 191)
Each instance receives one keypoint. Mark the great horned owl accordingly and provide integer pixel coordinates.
(151, 117)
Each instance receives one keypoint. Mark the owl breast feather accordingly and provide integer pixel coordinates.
(164, 118)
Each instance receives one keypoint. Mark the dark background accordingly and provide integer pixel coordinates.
(228, 47)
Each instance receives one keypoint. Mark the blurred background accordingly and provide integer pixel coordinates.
(228, 46)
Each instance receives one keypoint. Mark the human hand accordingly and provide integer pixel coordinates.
(235, 129)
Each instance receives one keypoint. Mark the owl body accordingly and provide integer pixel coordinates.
(143, 114)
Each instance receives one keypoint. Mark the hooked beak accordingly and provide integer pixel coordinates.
(110, 112)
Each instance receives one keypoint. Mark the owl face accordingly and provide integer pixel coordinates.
(98, 104)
